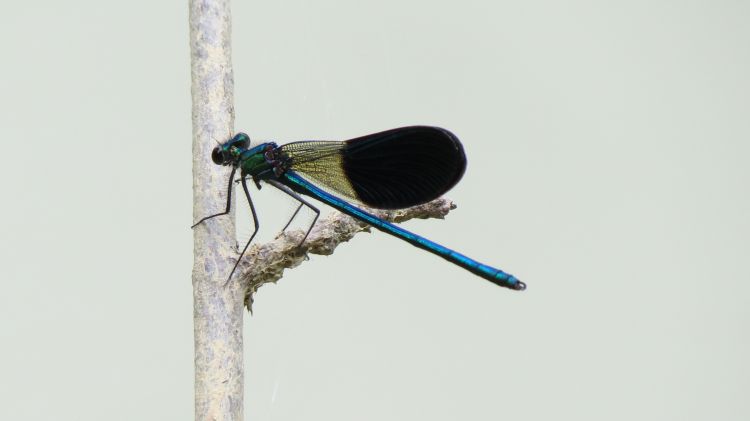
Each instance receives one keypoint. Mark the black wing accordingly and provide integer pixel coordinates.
(393, 169)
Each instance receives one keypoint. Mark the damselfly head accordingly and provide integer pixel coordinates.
(228, 152)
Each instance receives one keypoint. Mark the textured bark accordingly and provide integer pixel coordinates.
(218, 311)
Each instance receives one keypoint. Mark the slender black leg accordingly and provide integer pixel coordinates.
(302, 201)
(292, 218)
(229, 201)
(255, 221)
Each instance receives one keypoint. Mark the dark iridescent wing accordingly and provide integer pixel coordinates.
(393, 169)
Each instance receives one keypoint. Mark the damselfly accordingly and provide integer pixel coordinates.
(393, 169)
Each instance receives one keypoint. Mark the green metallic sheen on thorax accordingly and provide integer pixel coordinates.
(256, 162)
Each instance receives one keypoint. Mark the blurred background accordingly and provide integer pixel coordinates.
(607, 145)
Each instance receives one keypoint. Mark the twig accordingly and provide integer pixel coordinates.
(265, 263)
(217, 311)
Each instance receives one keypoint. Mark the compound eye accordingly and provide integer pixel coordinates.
(241, 140)
(217, 156)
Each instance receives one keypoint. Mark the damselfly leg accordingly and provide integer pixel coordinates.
(255, 221)
(302, 201)
(229, 201)
(292, 218)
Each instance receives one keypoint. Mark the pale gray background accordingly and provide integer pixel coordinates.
(608, 149)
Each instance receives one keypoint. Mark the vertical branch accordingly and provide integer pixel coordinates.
(218, 311)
